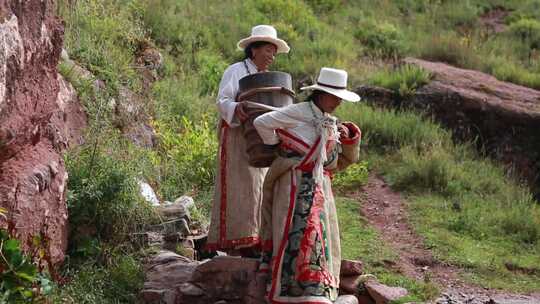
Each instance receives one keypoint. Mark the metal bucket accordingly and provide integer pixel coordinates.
(269, 88)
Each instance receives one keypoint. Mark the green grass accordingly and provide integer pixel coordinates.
(359, 241)
(417, 156)
(482, 256)
(472, 214)
(117, 281)
(392, 129)
(404, 81)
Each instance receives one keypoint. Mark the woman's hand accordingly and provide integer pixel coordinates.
(240, 112)
(343, 131)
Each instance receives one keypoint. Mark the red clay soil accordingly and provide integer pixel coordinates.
(386, 211)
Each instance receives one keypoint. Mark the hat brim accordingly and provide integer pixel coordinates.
(341, 93)
(282, 46)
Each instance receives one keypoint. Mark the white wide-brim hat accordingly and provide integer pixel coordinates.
(264, 33)
(334, 81)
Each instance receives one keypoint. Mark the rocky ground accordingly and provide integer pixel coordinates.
(181, 272)
(386, 210)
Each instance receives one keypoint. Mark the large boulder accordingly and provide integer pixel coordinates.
(174, 279)
(383, 294)
(34, 108)
(504, 117)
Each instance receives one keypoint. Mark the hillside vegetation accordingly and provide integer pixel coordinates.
(470, 213)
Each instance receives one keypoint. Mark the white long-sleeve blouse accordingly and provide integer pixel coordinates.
(228, 89)
(297, 119)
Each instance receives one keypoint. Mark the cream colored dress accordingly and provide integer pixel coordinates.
(235, 218)
(300, 233)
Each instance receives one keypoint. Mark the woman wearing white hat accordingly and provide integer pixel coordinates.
(235, 219)
(299, 230)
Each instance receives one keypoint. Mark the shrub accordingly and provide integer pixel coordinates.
(187, 157)
(211, 69)
(119, 281)
(432, 170)
(462, 14)
(506, 70)
(324, 6)
(404, 81)
(353, 177)
(450, 49)
(381, 39)
(103, 199)
(104, 39)
(20, 281)
(391, 129)
(528, 30)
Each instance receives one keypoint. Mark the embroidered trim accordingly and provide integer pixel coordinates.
(276, 265)
(307, 163)
(289, 135)
(223, 177)
(253, 241)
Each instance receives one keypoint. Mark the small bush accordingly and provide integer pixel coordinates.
(211, 69)
(390, 129)
(381, 39)
(187, 157)
(104, 39)
(404, 81)
(353, 177)
(20, 281)
(520, 217)
(324, 6)
(450, 49)
(103, 200)
(506, 70)
(457, 14)
(432, 170)
(119, 281)
(528, 30)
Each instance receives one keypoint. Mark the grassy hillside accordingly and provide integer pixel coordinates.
(497, 223)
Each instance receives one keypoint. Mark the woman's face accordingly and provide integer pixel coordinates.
(263, 56)
(328, 103)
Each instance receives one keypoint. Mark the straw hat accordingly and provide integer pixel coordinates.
(334, 81)
(264, 33)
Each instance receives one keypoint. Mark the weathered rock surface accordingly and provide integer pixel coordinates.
(351, 268)
(349, 284)
(171, 278)
(34, 119)
(175, 279)
(131, 110)
(503, 116)
(226, 278)
(458, 297)
(383, 294)
(165, 274)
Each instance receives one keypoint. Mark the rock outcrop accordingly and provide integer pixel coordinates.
(35, 117)
(175, 279)
(503, 117)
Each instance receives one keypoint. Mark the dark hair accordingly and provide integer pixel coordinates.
(314, 96)
(248, 51)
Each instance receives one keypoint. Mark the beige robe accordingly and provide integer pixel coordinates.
(300, 232)
(235, 218)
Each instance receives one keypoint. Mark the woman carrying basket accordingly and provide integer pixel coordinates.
(235, 219)
(301, 248)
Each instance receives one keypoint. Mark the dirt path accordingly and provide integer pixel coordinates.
(386, 210)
